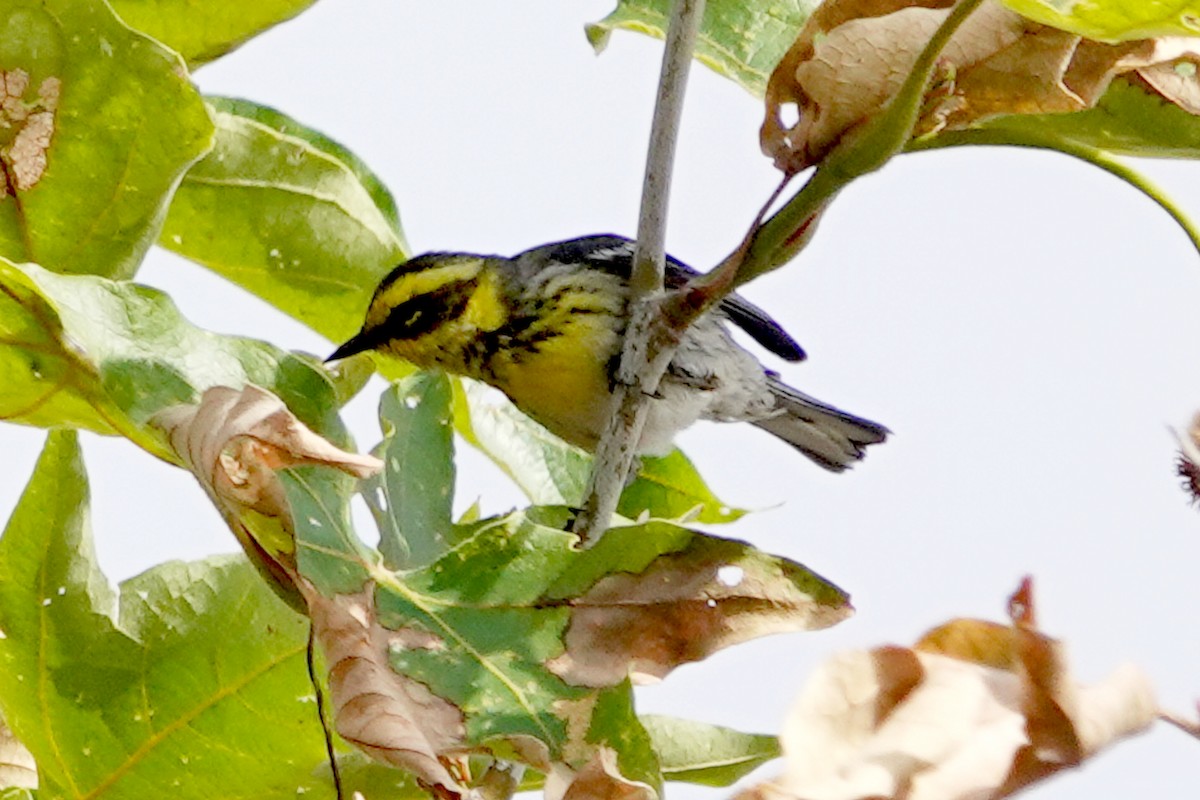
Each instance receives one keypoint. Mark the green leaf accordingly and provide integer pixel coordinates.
(192, 685)
(709, 755)
(412, 498)
(122, 123)
(201, 32)
(740, 39)
(1115, 20)
(517, 623)
(697, 752)
(107, 355)
(671, 488)
(1127, 119)
(552, 472)
(288, 215)
(329, 553)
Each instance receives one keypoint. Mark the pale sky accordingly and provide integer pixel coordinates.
(1026, 325)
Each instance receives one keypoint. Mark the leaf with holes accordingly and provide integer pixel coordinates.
(517, 641)
(412, 498)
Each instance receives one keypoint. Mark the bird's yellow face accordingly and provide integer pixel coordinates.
(430, 310)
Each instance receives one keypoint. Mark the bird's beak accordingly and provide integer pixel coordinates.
(358, 343)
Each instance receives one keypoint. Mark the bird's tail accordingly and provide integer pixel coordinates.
(828, 436)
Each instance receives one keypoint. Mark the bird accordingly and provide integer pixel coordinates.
(546, 327)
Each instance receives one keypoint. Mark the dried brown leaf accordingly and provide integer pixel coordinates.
(683, 608)
(924, 725)
(853, 55)
(392, 719)
(233, 441)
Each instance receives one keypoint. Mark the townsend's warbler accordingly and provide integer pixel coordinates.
(545, 328)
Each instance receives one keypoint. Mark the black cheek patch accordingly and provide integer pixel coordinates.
(420, 315)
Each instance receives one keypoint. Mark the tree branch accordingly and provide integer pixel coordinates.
(657, 320)
(649, 345)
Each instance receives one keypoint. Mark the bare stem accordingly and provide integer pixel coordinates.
(323, 712)
(646, 353)
(1188, 726)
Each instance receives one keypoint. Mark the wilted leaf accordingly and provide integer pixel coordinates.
(853, 55)
(412, 498)
(201, 32)
(289, 215)
(394, 720)
(740, 39)
(105, 355)
(552, 472)
(97, 123)
(910, 723)
(193, 686)
(234, 441)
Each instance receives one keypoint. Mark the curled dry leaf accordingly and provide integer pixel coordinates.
(233, 441)
(942, 720)
(851, 58)
(393, 719)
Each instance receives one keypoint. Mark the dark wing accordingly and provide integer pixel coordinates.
(615, 254)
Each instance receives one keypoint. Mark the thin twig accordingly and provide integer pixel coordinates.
(1188, 726)
(648, 346)
(323, 713)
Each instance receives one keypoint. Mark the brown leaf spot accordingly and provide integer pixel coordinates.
(25, 156)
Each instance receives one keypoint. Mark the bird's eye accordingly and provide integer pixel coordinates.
(419, 315)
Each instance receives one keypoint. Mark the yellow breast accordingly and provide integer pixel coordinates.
(562, 381)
